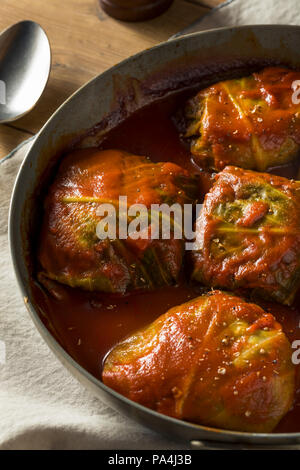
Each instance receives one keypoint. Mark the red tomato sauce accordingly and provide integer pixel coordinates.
(88, 324)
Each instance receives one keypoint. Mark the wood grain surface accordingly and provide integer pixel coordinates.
(85, 42)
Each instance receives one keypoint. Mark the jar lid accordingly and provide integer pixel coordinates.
(135, 10)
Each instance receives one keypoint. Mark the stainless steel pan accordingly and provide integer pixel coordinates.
(198, 58)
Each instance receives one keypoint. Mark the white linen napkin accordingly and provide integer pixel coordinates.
(242, 12)
(41, 405)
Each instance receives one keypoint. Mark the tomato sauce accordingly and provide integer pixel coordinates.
(88, 324)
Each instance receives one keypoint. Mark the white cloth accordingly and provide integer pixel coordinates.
(242, 12)
(41, 405)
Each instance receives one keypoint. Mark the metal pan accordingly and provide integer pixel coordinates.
(195, 59)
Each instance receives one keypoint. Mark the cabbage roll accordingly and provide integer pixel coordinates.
(248, 235)
(215, 360)
(70, 251)
(249, 122)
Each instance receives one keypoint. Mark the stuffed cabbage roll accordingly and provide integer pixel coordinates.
(70, 251)
(248, 235)
(250, 122)
(215, 360)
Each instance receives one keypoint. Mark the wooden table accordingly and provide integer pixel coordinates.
(85, 42)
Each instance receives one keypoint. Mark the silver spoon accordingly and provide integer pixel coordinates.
(25, 61)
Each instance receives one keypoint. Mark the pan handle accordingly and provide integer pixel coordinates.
(214, 445)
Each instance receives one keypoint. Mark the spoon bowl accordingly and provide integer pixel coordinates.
(25, 61)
